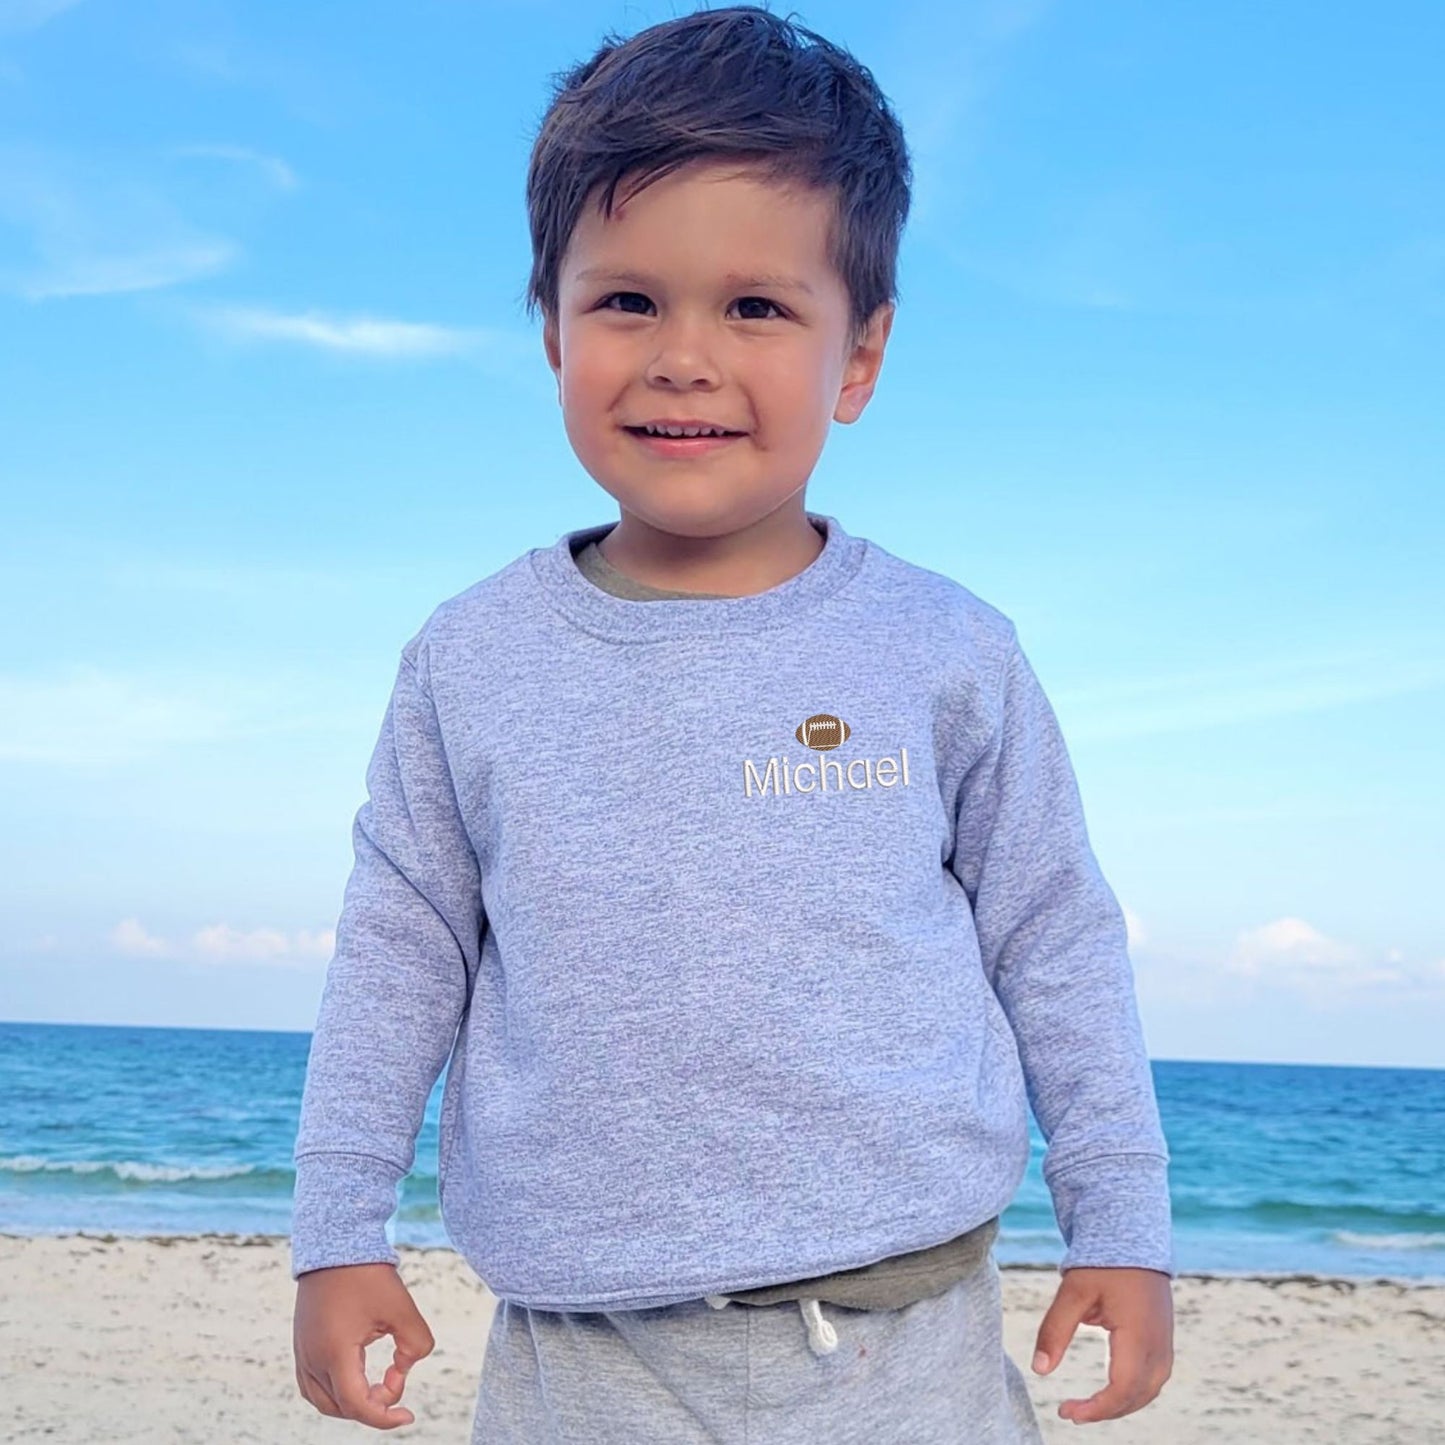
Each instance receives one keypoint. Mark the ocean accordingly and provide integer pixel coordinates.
(1275, 1168)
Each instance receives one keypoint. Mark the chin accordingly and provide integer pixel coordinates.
(671, 504)
(688, 522)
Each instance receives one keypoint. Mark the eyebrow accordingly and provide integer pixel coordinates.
(733, 278)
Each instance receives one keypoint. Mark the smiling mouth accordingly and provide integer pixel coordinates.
(716, 435)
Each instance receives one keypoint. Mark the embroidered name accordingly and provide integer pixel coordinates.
(827, 775)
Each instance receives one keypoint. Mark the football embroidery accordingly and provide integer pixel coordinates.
(823, 732)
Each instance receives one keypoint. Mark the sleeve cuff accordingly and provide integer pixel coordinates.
(340, 1209)
(1114, 1213)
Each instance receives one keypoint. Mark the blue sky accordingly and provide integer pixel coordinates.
(1164, 387)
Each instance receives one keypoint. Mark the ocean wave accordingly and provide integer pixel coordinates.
(259, 1178)
(1302, 1213)
(130, 1170)
(1388, 1241)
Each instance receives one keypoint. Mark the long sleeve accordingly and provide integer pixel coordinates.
(1054, 946)
(407, 941)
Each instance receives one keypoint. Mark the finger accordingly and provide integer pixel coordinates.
(387, 1390)
(402, 1360)
(357, 1400)
(383, 1394)
(413, 1341)
(1057, 1330)
(1129, 1372)
(1109, 1403)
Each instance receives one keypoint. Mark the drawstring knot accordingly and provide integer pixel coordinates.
(822, 1337)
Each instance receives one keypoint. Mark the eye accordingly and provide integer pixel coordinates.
(760, 301)
(606, 302)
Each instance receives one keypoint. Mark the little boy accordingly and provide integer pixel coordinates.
(735, 866)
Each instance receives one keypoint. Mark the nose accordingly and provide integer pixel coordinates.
(684, 356)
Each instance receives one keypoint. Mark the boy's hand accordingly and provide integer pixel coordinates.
(339, 1312)
(1136, 1306)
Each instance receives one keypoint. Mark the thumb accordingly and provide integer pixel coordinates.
(1056, 1331)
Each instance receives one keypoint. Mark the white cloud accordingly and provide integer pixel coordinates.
(226, 944)
(1289, 942)
(272, 167)
(221, 943)
(355, 335)
(20, 15)
(129, 936)
(1294, 955)
(98, 275)
(1289, 961)
(94, 229)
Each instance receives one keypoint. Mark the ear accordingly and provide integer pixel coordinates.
(552, 345)
(860, 372)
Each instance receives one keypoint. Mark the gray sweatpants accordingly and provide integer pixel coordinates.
(932, 1373)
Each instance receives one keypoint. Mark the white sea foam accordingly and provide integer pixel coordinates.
(1388, 1241)
(124, 1169)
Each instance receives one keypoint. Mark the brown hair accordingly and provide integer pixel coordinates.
(734, 83)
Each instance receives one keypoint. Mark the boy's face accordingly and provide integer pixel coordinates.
(693, 332)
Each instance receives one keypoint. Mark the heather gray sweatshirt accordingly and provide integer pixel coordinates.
(751, 928)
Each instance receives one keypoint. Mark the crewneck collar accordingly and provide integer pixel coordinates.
(624, 619)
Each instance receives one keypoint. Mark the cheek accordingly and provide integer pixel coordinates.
(590, 373)
(589, 393)
(792, 415)
(794, 379)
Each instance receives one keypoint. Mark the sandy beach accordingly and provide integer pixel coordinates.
(189, 1340)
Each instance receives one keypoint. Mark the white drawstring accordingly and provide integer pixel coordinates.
(822, 1337)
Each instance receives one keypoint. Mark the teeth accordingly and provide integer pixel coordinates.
(690, 431)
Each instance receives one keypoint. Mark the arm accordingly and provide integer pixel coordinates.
(407, 942)
(1054, 948)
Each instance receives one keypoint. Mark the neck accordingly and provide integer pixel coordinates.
(735, 564)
